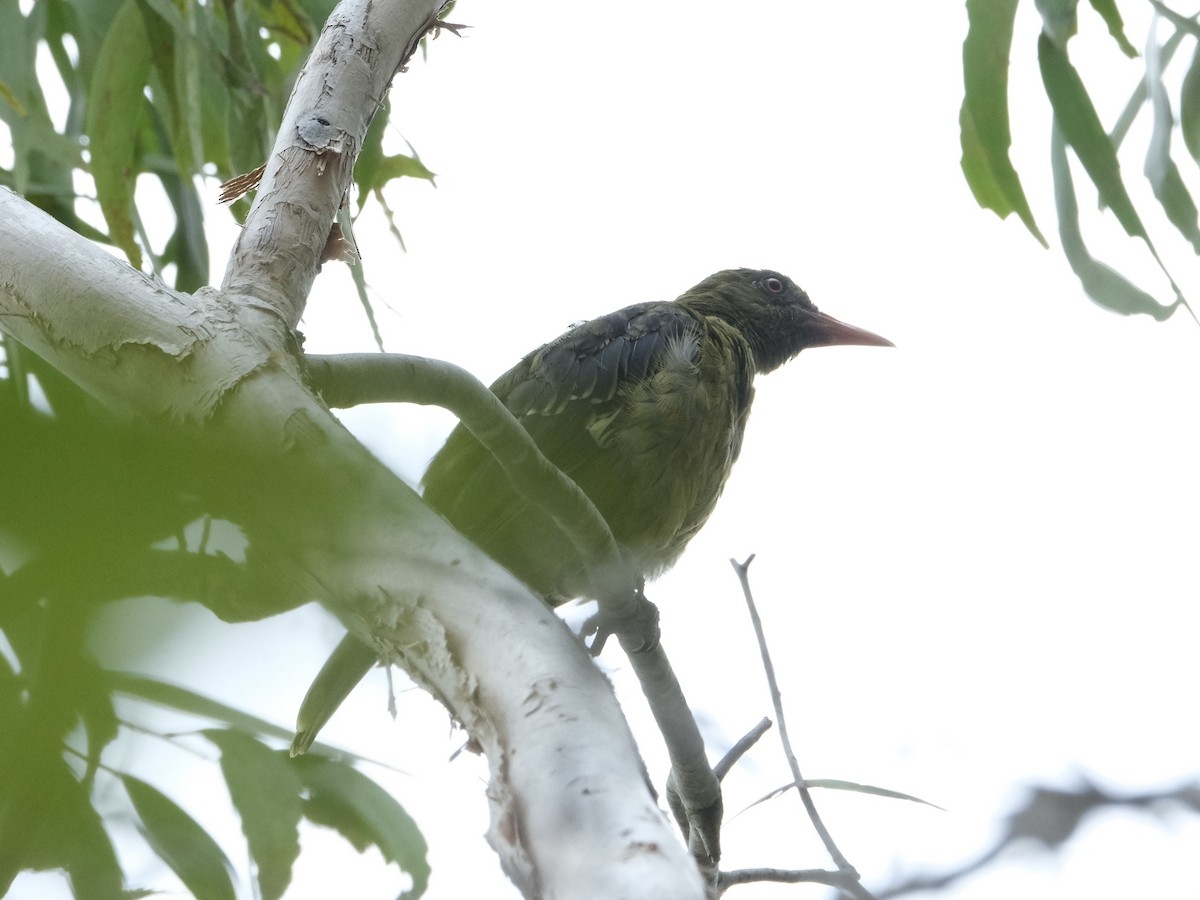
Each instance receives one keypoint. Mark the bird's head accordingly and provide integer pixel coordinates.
(775, 315)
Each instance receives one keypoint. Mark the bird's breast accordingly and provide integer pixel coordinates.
(673, 437)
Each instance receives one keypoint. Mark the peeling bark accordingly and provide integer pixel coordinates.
(572, 813)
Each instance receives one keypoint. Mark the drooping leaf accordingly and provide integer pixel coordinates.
(1103, 285)
(175, 80)
(91, 862)
(182, 842)
(19, 36)
(174, 697)
(1160, 169)
(91, 21)
(187, 247)
(369, 157)
(400, 166)
(344, 799)
(1080, 126)
(115, 104)
(47, 820)
(1189, 106)
(360, 286)
(64, 831)
(266, 793)
(373, 170)
(836, 784)
(99, 717)
(1116, 26)
(983, 118)
(183, 700)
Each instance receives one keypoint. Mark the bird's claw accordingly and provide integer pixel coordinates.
(636, 628)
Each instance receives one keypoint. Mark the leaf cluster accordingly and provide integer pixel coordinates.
(986, 137)
(161, 89)
(90, 514)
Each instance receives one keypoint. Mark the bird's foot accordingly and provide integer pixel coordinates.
(636, 626)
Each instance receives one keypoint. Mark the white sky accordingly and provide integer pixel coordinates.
(975, 551)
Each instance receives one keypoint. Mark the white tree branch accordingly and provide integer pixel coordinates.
(572, 814)
(360, 50)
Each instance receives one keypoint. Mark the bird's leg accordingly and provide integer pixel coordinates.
(637, 632)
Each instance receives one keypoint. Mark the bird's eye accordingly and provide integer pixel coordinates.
(774, 285)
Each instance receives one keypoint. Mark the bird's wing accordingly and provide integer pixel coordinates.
(593, 359)
(557, 392)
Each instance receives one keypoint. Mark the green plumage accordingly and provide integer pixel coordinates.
(644, 409)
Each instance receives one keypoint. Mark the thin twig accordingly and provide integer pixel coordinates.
(738, 750)
(851, 884)
(693, 791)
(785, 876)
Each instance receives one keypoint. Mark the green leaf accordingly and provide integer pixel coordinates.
(360, 285)
(837, 785)
(317, 10)
(7, 96)
(47, 821)
(188, 245)
(983, 119)
(1161, 171)
(1189, 106)
(178, 698)
(182, 843)
(91, 21)
(1076, 117)
(1116, 27)
(341, 673)
(401, 166)
(115, 104)
(88, 854)
(369, 157)
(1105, 286)
(176, 78)
(266, 793)
(373, 170)
(95, 703)
(342, 798)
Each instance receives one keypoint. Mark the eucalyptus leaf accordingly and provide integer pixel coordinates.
(181, 842)
(983, 118)
(1161, 171)
(1080, 126)
(115, 105)
(1189, 106)
(1101, 283)
(265, 790)
(342, 798)
(1116, 26)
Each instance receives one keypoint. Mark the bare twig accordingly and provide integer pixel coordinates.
(847, 871)
(738, 750)
(787, 876)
